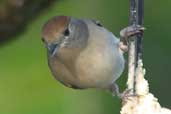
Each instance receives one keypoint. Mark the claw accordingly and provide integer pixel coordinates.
(115, 91)
(131, 31)
(127, 33)
(126, 94)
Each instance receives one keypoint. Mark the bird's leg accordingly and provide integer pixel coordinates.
(115, 91)
(126, 33)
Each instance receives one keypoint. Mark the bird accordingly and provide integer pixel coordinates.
(83, 54)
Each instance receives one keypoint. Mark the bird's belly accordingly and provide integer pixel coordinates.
(99, 69)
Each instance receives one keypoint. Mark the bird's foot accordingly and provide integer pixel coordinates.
(131, 31)
(115, 89)
(124, 95)
(126, 33)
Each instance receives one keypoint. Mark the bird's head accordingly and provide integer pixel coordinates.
(64, 32)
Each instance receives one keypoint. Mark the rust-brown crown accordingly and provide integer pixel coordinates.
(54, 28)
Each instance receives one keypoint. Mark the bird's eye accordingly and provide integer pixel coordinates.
(98, 24)
(66, 32)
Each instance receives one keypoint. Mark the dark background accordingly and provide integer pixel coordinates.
(26, 84)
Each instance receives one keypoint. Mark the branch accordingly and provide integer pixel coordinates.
(140, 101)
(143, 102)
(135, 43)
(132, 49)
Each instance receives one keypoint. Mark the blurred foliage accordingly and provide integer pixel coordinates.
(15, 14)
(26, 84)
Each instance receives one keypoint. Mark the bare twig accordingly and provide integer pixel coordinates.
(143, 102)
(140, 101)
(135, 43)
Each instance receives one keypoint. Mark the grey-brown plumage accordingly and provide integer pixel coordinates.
(82, 53)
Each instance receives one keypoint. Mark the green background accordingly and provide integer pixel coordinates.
(26, 84)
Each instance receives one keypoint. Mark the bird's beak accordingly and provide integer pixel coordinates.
(52, 49)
